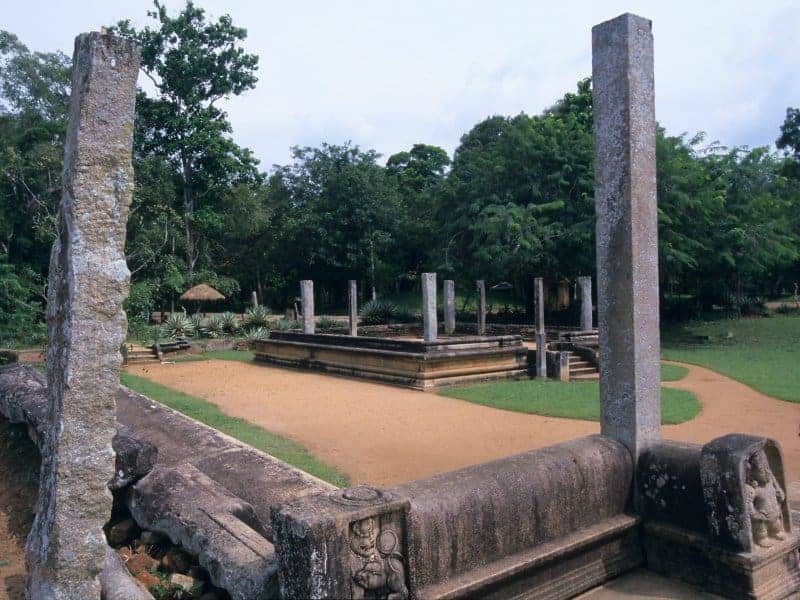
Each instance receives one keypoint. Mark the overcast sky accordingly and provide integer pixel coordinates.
(387, 74)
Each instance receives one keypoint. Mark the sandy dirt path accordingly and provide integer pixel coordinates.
(730, 406)
(385, 435)
(374, 433)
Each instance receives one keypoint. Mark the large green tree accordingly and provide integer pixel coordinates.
(193, 64)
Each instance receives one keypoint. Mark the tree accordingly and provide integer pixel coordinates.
(420, 176)
(335, 216)
(520, 196)
(193, 64)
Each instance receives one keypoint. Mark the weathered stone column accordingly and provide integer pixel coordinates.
(429, 319)
(480, 288)
(627, 234)
(449, 306)
(254, 299)
(541, 336)
(88, 282)
(586, 302)
(307, 305)
(352, 306)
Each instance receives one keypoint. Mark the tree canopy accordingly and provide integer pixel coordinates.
(514, 201)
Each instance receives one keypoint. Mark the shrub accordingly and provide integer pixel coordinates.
(213, 327)
(257, 317)
(379, 312)
(326, 323)
(197, 321)
(257, 334)
(178, 325)
(230, 324)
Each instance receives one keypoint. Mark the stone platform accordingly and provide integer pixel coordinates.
(410, 363)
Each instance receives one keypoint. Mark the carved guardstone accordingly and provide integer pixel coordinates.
(718, 516)
(344, 544)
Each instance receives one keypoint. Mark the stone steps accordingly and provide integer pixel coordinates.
(581, 369)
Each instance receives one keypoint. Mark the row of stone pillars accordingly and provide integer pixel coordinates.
(430, 324)
(88, 281)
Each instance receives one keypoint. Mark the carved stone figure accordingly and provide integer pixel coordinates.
(764, 498)
(376, 563)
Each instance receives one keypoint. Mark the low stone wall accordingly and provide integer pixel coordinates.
(209, 493)
(718, 517)
(549, 523)
(409, 363)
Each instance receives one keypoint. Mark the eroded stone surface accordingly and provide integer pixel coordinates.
(449, 306)
(88, 282)
(430, 323)
(586, 302)
(203, 517)
(480, 290)
(352, 305)
(627, 233)
(307, 302)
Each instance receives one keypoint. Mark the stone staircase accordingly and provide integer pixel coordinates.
(581, 369)
(140, 354)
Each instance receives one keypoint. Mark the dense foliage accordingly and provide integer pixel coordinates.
(514, 201)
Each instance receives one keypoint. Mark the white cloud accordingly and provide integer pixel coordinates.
(388, 74)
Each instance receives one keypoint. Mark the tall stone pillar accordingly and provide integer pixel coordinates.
(86, 324)
(429, 319)
(352, 306)
(449, 306)
(627, 234)
(541, 336)
(254, 299)
(307, 305)
(586, 302)
(480, 288)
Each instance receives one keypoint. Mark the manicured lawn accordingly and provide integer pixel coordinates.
(237, 355)
(763, 353)
(673, 372)
(278, 446)
(574, 400)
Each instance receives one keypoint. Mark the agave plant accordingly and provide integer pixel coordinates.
(213, 327)
(178, 325)
(197, 322)
(230, 323)
(326, 323)
(379, 312)
(257, 317)
(257, 334)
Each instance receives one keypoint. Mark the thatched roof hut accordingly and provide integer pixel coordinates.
(201, 293)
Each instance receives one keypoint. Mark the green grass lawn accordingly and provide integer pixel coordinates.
(762, 353)
(278, 446)
(237, 355)
(673, 372)
(573, 400)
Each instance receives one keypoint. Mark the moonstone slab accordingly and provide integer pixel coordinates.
(88, 282)
(627, 232)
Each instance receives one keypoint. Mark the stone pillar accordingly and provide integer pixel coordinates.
(307, 304)
(541, 336)
(88, 282)
(627, 234)
(352, 306)
(586, 302)
(254, 299)
(480, 288)
(430, 323)
(449, 306)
